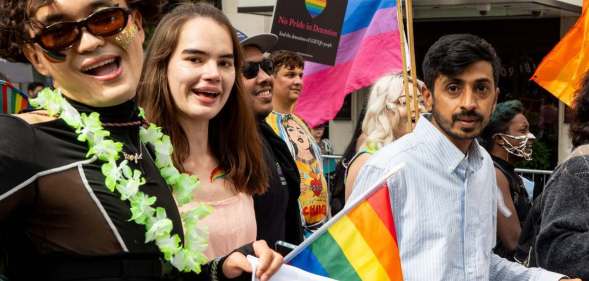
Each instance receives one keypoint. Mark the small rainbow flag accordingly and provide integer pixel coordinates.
(12, 100)
(360, 243)
(315, 7)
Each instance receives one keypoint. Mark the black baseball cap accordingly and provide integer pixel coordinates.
(264, 41)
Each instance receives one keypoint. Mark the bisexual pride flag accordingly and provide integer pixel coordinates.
(369, 48)
(359, 243)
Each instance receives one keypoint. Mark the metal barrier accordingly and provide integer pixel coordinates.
(539, 177)
(331, 162)
(327, 156)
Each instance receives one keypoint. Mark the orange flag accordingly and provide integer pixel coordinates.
(561, 71)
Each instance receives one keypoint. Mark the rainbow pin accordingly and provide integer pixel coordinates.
(217, 173)
(315, 7)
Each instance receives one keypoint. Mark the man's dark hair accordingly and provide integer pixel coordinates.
(32, 86)
(453, 53)
(500, 120)
(579, 130)
(287, 59)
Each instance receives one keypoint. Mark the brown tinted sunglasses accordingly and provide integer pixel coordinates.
(63, 35)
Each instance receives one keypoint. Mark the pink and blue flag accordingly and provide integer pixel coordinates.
(369, 48)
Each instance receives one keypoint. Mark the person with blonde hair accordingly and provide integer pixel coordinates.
(385, 120)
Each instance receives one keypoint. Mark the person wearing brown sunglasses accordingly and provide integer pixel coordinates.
(69, 208)
(90, 60)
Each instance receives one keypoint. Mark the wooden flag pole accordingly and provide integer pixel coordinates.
(404, 61)
(411, 38)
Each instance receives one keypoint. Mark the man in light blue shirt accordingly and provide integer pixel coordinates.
(444, 200)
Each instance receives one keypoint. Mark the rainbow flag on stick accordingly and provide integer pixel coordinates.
(12, 100)
(359, 243)
(369, 47)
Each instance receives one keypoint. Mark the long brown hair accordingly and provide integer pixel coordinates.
(233, 135)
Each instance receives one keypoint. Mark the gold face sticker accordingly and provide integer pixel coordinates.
(125, 37)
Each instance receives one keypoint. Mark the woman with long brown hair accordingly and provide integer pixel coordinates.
(189, 88)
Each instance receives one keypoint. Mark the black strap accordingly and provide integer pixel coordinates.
(515, 184)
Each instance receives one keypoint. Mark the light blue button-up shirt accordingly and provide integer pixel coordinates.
(444, 205)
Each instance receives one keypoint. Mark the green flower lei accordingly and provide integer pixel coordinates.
(127, 181)
(372, 147)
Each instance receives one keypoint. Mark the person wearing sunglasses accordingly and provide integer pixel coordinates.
(277, 210)
(81, 197)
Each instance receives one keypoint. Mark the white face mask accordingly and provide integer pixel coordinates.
(523, 149)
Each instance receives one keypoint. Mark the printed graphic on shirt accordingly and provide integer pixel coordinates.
(313, 198)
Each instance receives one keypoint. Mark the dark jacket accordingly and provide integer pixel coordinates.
(286, 178)
(562, 244)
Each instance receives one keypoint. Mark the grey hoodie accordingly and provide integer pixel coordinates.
(562, 243)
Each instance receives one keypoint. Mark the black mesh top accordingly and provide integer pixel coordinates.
(54, 204)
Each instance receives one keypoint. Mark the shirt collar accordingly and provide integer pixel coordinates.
(447, 152)
(281, 114)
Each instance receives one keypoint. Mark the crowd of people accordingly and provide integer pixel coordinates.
(176, 162)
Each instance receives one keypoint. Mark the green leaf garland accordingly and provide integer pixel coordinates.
(127, 182)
